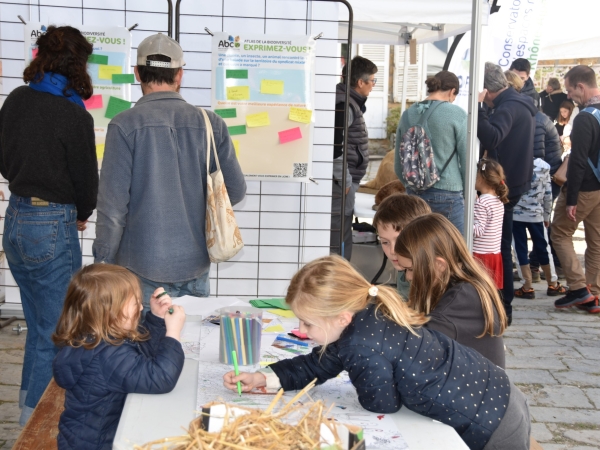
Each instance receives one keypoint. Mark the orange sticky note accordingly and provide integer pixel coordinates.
(293, 134)
(94, 102)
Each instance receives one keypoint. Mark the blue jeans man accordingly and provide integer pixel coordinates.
(199, 287)
(43, 252)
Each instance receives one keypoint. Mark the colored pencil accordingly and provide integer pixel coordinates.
(249, 337)
(242, 339)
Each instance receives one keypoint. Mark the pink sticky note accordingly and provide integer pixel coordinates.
(293, 134)
(94, 102)
(34, 52)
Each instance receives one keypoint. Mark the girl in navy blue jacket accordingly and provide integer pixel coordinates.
(393, 361)
(106, 354)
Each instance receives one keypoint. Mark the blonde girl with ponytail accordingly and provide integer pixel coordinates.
(391, 359)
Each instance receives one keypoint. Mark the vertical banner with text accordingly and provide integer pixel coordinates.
(263, 87)
(108, 66)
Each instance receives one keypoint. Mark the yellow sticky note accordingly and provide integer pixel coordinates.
(271, 87)
(106, 72)
(283, 313)
(236, 145)
(238, 93)
(300, 115)
(100, 151)
(258, 120)
(274, 329)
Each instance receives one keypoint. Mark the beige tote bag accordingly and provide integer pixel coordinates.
(223, 237)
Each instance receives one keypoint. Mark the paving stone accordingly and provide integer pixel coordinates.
(545, 352)
(574, 315)
(540, 432)
(572, 322)
(594, 396)
(589, 343)
(8, 341)
(11, 373)
(530, 328)
(569, 329)
(558, 415)
(8, 444)
(9, 393)
(9, 412)
(544, 343)
(517, 334)
(534, 315)
(589, 352)
(580, 379)
(542, 335)
(519, 362)
(530, 376)
(511, 342)
(555, 447)
(580, 447)
(517, 322)
(585, 436)
(561, 396)
(14, 356)
(590, 330)
(10, 431)
(583, 365)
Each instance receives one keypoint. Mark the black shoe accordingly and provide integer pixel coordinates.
(525, 293)
(592, 307)
(576, 297)
(508, 320)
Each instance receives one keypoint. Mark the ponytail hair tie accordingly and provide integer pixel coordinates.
(373, 290)
(502, 181)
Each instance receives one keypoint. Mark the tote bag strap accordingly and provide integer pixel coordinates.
(210, 139)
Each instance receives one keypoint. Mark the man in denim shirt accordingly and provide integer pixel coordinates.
(152, 195)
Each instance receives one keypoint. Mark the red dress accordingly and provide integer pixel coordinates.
(493, 264)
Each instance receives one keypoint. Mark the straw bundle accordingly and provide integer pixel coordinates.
(258, 429)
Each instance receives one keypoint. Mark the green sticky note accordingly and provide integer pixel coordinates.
(98, 59)
(115, 106)
(227, 113)
(123, 78)
(238, 129)
(241, 74)
(277, 303)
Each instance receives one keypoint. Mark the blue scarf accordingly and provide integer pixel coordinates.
(55, 83)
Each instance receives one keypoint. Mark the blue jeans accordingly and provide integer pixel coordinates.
(198, 287)
(450, 204)
(43, 252)
(540, 246)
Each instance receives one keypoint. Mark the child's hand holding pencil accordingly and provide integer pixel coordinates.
(160, 303)
(249, 380)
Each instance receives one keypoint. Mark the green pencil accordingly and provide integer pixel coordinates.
(237, 370)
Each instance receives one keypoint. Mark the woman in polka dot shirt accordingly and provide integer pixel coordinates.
(392, 360)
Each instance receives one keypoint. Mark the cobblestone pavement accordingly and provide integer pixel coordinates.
(552, 356)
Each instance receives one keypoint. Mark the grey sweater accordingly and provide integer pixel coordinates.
(459, 315)
(152, 197)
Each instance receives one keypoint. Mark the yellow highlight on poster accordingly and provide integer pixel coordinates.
(271, 87)
(238, 93)
(99, 151)
(106, 72)
(300, 115)
(258, 120)
(236, 145)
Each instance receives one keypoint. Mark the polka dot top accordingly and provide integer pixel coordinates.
(429, 373)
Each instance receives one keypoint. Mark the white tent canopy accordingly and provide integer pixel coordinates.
(386, 21)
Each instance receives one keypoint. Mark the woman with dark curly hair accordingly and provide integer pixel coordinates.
(48, 156)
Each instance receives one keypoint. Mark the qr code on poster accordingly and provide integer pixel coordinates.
(300, 170)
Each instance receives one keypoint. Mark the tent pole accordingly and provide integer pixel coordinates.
(472, 141)
(404, 80)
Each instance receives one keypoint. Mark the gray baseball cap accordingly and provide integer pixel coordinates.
(160, 44)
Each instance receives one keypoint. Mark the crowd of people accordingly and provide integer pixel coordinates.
(434, 344)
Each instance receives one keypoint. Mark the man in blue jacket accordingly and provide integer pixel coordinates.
(507, 135)
(151, 200)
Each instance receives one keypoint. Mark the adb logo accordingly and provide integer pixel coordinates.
(230, 42)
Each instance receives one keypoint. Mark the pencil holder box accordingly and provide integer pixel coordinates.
(241, 328)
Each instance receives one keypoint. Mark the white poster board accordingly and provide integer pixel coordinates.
(263, 87)
(109, 68)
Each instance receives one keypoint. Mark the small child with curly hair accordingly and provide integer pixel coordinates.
(489, 212)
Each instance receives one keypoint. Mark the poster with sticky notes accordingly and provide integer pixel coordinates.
(107, 66)
(94, 102)
(300, 115)
(274, 87)
(258, 120)
(238, 93)
(116, 106)
(263, 88)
